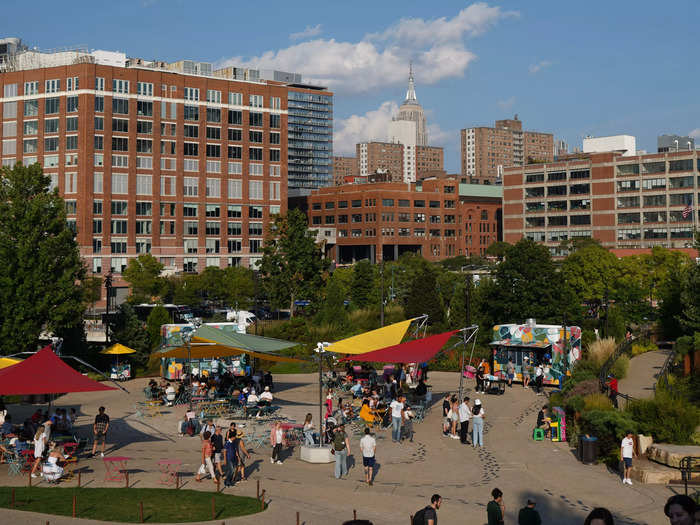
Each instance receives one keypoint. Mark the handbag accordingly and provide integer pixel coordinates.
(332, 451)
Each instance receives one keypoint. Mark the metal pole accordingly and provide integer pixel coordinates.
(320, 397)
(468, 299)
(381, 278)
(108, 288)
(189, 369)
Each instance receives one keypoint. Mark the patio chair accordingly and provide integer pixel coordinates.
(14, 463)
(258, 438)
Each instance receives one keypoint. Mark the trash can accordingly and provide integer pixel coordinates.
(588, 449)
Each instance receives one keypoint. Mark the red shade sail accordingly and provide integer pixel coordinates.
(416, 351)
(45, 373)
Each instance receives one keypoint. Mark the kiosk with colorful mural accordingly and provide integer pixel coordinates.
(532, 344)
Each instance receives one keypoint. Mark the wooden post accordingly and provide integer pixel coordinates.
(213, 508)
(217, 484)
(297, 517)
(126, 478)
(141, 511)
(262, 500)
(79, 473)
(257, 492)
(177, 480)
(29, 476)
(75, 505)
(12, 499)
(354, 514)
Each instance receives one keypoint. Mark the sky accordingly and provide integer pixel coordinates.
(569, 68)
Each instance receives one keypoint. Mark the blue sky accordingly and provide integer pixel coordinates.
(570, 68)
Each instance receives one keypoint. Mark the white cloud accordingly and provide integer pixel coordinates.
(536, 68)
(441, 137)
(506, 104)
(695, 134)
(308, 32)
(381, 59)
(373, 125)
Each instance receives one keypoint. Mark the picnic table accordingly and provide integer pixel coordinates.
(115, 467)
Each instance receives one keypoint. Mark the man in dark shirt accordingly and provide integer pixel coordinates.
(99, 430)
(217, 445)
(446, 405)
(528, 515)
(428, 515)
(543, 420)
(495, 508)
(421, 389)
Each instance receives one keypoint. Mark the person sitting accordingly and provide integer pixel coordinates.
(264, 401)
(543, 420)
(421, 389)
(6, 427)
(169, 397)
(211, 392)
(252, 402)
(51, 470)
(356, 389)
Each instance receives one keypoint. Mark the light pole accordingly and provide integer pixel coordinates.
(108, 288)
(320, 350)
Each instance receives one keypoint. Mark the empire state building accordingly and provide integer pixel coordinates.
(410, 112)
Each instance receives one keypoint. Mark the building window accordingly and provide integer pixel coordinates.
(31, 88)
(189, 210)
(213, 115)
(214, 150)
(190, 149)
(256, 101)
(274, 155)
(235, 117)
(274, 191)
(255, 169)
(144, 185)
(213, 133)
(51, 86)
(191, 186)
(31, 108)
(144, 88)
(190, 165)
(120, 183)
(191, 94)
(654, 200)
(255, 119)
(235, 168)
(214, 188)
(235, 99)
(120, 144)
(235, 190)
(275, 121)
(191, 113)
(255, 190)
(255, 153)
(120, 106)
(144, 127)
(51, 108)
(144, 146)
(71, 104)
(234, 211)
(120, 86)
(578, 220)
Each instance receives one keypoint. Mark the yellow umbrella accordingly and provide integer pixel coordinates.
(8, 361)
(118, 349)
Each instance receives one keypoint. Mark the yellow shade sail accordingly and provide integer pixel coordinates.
(373, 340)
(118, 349)
(8, 361)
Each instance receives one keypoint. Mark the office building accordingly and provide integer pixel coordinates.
(344, 169)
(628, 203)
(666, 143)
(485, 152)
(625, 144)
(167, 159)
(436, 218)
(390, 158)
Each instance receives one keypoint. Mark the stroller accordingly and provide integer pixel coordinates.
(331, 423)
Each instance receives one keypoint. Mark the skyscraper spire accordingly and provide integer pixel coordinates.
(411, 93)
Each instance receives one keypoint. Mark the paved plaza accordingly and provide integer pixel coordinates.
(407, 475)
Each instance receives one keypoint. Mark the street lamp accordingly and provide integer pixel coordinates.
(320, 350)
(187, 339)
(108, 288)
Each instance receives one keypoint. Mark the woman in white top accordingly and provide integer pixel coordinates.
(308, 431)
(276, 440)
(478, 414)
(52, 470)
(39, 445)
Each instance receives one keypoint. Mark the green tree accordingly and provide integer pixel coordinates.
(590, 271)
(332, 309)
(690, 296)
(527, 285)
(423, 299)
(143, 276)
(129, 331)
(363, 284)
(291, 266)
(497, 249)
(157, 318)
(41, 269)
(239, 285)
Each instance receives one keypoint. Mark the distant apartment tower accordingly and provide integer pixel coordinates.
(668, 143)
(390, 158)
(486, 151)
(344, 169)
(175, 160)
(310, 136)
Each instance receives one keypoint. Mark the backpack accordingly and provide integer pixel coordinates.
(189, 428)
(476, 409)
(338, 441)
(419, 517)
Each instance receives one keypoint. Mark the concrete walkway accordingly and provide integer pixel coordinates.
(642, 374)
(407, 475)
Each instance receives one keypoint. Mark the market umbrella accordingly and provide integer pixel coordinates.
(45, 373)
(118, 349)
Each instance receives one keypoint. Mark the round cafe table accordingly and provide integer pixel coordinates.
(115, 468)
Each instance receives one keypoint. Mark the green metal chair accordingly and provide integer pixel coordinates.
(538, 434)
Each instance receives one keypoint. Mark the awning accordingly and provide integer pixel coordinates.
(118, 349)
(8, 361)
(373, 340)
(214, 342)
(416, 351)
(45, 373)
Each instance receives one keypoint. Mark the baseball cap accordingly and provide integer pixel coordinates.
(531, 501)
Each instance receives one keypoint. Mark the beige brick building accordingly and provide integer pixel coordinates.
(388, 157)
(344, 169)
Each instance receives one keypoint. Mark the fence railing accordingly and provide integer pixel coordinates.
(688, 466)
(662, 377)
(621, 349)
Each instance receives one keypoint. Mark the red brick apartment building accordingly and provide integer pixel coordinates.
(167, 159)
(436, 218)
(627, 203)
(344, 169)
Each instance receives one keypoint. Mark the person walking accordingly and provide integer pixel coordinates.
(99, 431)
(454, 417)
(217, 445)
(496, 509)
(396, 417)
(528, 515)
(206, 464)
(368, 445)
(478, 414)
(277, 440)
(230, 459)
(464, 415)
(428, 515)
(341, 449)
(241, 451)
(526, 371)
(539, 378)
(626, 455)
(510, 371)
(612, 389)
(446, 421)
(39, 447)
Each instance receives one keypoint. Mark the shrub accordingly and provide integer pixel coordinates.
(668, 419)
(575, 404)
(599, 351)
(609, 426)
(620, 367)
(641, 348)
(596, 402)
(584, 388)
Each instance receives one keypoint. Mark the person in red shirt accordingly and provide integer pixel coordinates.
(612, 389)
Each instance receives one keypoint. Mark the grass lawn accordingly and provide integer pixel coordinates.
(159, 505)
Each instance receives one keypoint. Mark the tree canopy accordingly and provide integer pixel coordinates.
(291, 266)
(41, 270)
